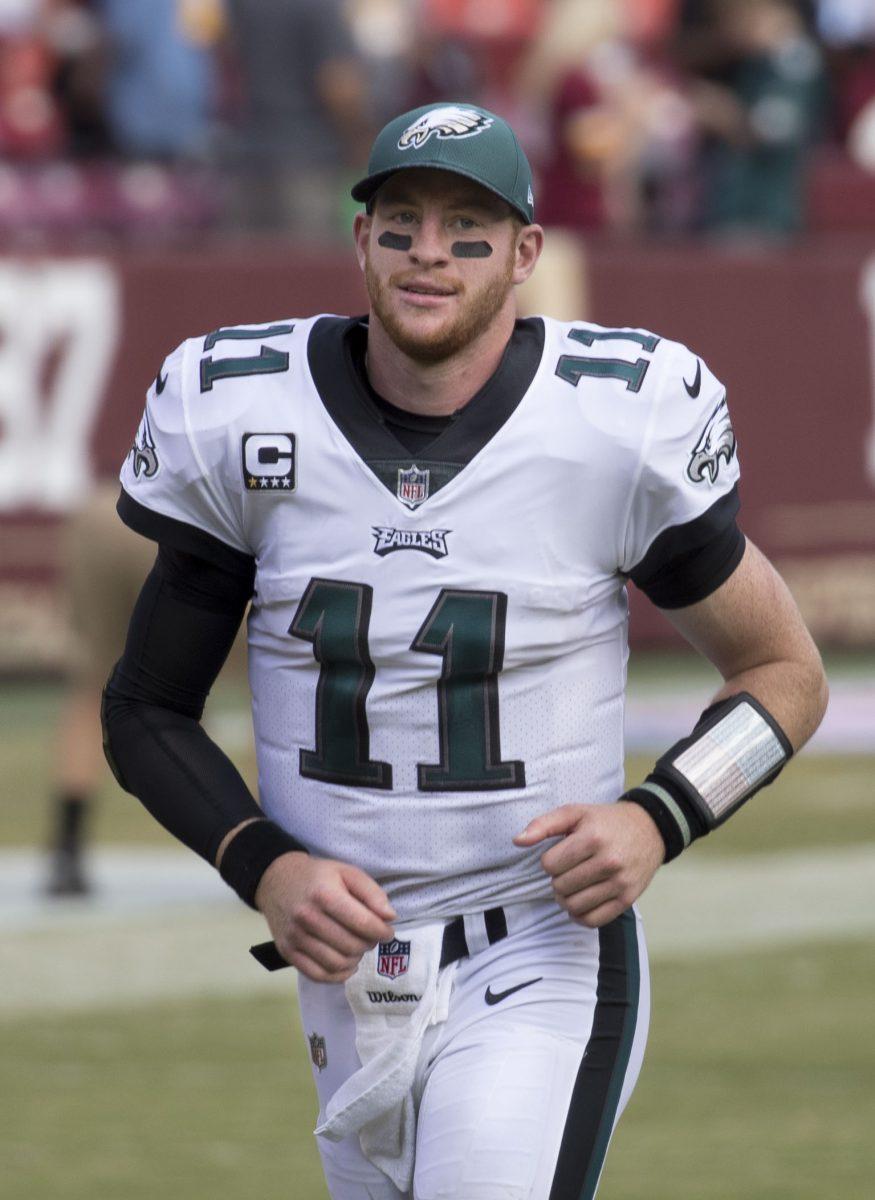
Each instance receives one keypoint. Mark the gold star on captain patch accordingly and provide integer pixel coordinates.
(252, 482)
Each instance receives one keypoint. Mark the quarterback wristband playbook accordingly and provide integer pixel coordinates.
(250, 852)
(736, 748)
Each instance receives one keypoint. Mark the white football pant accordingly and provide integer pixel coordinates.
(517, 1098)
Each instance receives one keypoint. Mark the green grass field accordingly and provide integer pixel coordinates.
(759, 1082)
(757, 1086)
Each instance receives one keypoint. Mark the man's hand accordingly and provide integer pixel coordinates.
(323, 914)
(608, 855)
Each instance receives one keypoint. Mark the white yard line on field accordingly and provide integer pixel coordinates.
(162, 925)
(657, 709)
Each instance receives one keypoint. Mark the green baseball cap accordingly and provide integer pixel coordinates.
(461, 138)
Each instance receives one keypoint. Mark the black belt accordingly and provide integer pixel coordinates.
(453, 948)
(454, 944)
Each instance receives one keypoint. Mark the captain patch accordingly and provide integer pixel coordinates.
(269, 462)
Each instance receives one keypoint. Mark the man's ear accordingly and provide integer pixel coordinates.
(530, 243)
(361, 232)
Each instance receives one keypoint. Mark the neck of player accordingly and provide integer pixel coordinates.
(440, 388)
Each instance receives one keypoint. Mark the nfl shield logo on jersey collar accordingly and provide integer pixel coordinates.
(412, 489)
(393, 958)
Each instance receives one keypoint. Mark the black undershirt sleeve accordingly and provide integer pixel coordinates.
(182, 628)
(688, 562)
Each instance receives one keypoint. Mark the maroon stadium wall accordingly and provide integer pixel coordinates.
(791, 333)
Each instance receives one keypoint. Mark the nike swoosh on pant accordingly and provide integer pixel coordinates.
(496, 997)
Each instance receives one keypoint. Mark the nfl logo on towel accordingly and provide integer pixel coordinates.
(393, 958)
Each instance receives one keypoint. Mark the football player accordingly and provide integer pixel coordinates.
(435, 509)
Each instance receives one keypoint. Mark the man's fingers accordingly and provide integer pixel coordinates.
(325, 928)
(369, 892)
(357, 918)
(309, 967)
(580, 877)
(602, 914)
(580, 904)
(551, 824)
(330, 960)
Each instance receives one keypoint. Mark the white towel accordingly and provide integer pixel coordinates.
(377, 1101)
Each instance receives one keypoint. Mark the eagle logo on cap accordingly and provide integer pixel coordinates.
(447, 122)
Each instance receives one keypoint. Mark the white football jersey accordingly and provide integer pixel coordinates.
(437, 642)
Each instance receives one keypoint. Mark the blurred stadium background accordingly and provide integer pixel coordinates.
(707, 169)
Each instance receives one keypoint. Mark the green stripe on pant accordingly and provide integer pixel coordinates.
(599, 1084)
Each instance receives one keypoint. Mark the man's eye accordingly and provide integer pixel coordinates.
(405, 218)
(466, 223)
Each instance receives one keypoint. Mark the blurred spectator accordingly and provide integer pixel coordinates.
(31, 121)
(847, 28)
(74, 33)
(104, 569)
(846, 22)
(621, 129)
(305, 119)
(162, 81)
(475, 50)
(385, 33)
(581, 137)
(762, 103)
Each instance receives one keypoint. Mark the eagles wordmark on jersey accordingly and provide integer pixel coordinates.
(437, 641)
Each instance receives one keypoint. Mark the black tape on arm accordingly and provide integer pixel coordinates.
(250, 852)
(736, 749)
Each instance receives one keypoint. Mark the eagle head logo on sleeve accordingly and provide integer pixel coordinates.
(145, 458)
(450, 121)
(716, 441)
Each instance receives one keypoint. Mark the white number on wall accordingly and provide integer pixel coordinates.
(58, 330)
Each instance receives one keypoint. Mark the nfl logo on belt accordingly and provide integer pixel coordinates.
(412, 487)
(393, 958)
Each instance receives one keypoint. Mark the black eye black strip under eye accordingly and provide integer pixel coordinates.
(471, 249)
(395, 241)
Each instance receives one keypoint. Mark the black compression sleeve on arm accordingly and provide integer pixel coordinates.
(181, 631)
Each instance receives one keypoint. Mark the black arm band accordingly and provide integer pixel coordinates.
(250, 852)
(736, 748)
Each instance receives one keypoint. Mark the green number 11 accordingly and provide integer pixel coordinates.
(466, 629)
(572, 366)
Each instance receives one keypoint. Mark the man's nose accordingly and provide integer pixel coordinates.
(430, 246)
